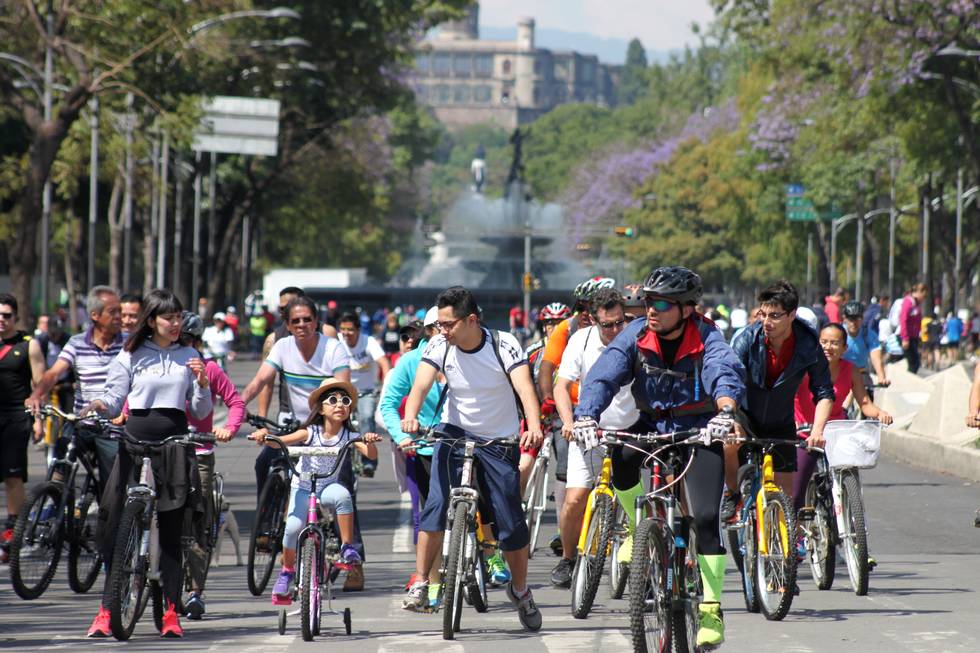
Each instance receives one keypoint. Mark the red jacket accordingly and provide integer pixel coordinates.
(910, 319)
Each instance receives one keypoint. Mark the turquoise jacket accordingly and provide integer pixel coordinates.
(398, 387)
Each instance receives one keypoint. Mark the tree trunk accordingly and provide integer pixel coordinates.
(218, 281)
(873, 258)
(72, 263)
(149, 250)
(115, 219)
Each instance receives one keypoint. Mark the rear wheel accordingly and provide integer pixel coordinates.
(650, 600)
(537, 497)
(263, 545)
(776, 568)
(452, 595)
(589, 565)
(686, 619)
(156, 598)
(309, 589)
(84, 557)
(618, 572)
(855, 537)
(821, 537)
(476, 588)
(36, 545)
(127, 580)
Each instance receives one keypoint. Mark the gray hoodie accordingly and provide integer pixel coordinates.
(155, 377)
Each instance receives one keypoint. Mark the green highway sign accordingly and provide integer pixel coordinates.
(800, 209)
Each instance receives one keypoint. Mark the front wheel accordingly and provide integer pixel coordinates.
(127, 580)
(264, 542)
(309, 589)
(84, 557)
(650, 600)
(855, 536)
(36, 545)
(776, 568)
(590, 562)
(821, 537)
(688, 595)
(452, 595)
(536, 501)
(619, 573)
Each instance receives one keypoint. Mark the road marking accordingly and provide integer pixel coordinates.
(402, 540)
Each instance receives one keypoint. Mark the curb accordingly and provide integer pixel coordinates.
(926, 452)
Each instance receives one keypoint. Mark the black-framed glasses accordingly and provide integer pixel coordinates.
(301, 320)
(613, 325)
(773, 316)
(7, 316)
(447, 326)
(659, 305)
(333, 400)
(405, 337)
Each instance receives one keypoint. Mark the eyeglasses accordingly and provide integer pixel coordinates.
(405, 337)
(612, 325)
(659, 305)
(7, 316)
(333, 400)
(447, 326)
(831, 343)
(775, 316)
(301, 320)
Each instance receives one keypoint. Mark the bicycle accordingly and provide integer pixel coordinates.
(136, 553)
(536, 494)
(763, 540)
(603, 531)
(664, 575)
(818, 522)
(60, 511)
(218, 506)
(318, 546)
(265, 543)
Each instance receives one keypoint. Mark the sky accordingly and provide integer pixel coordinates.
(659, 24)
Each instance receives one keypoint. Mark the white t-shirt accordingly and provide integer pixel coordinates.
(218, 342)
(480, 399)
(303, 376)
(581, 353)
(363, 368)
(740, 318)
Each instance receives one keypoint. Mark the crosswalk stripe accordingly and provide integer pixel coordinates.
(401, 540)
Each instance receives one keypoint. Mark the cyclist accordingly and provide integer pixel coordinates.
(483, 381)
(219, 339)
(683, 373)
(863, 345)
(130, 305)
(368, 365)
(191, 329)
(583, 350)
(633, 303)
(328, 425)
(162, 381)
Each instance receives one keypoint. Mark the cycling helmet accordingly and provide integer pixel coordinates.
(853, 310)
(675, 283)
(555, 311)
(633, 296)
(191, 325)
(586, 289)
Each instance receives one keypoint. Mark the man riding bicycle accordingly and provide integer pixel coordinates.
(863, 346)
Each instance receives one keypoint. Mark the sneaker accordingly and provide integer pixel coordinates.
(282, 591)
(418, 597)
(872, 563)
(527, 611)
(711, 629)
(368, 471)
(729, 506)
(6, 537)
(412, 579)
(499, 574)
(355, 578)
(561, 575)
(434, 596)
(194, 606)
(556, 546)
(100, 626)
(349, 556)
(625, 553)
(171, 623)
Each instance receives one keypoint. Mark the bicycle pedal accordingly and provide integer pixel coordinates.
(806, 513)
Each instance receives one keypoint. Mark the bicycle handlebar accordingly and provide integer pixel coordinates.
(295, 451)
(455, 440)
(93, 419)
(274, 428)
(184, 438)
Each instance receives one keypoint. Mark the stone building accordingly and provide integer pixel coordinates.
(467, 80)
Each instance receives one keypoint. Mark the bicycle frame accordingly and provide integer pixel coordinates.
(145, 491)
(767, 484)
(602, 486)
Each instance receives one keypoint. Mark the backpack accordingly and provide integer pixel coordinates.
(895, 312)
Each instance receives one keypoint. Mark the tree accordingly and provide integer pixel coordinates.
(633, 81)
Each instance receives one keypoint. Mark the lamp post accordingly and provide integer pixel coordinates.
(867, 217)
(835, 226)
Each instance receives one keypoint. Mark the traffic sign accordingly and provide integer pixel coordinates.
(800, 209)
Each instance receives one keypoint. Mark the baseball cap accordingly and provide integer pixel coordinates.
(219, 316)
(431, 316)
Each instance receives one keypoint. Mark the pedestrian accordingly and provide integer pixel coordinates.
(910, 325)
(219, 338)
(258, 327)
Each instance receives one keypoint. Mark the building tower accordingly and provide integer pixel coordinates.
(524, 68)
(466, 28)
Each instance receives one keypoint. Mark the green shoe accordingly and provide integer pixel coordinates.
(499, 574)
(711, 631)
(625, 553)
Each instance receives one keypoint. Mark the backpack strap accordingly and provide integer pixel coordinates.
(495, 341)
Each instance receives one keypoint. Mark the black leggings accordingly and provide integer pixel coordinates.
(703, 486)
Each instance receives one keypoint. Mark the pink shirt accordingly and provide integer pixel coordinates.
(804, 409)
(221, 386)
(910, 319)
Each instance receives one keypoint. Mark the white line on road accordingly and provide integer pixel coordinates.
(401, 541)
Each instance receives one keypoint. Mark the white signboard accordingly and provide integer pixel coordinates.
(239, 125)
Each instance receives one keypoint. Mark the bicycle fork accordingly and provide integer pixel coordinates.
(768, 485)
(150, 544)
(602, 487)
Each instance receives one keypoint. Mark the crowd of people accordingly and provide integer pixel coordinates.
(642, 357)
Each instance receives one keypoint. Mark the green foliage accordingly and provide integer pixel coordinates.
(633, 80)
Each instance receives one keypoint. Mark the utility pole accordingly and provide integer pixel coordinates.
(924, 267)
(178, 224)
(93, 187)
(196, 240)
(959, 238)
(46, 194)
(859, 262)
(892, 221)
(212, 223)
(162, 214)
(128, 198)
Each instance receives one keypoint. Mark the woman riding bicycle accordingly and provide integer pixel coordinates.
(331, 406)
(162, 381)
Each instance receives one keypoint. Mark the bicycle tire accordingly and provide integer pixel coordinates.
(650, 625)
(84, 557)
(821, 545)
(685, 615)
(452, 595)
(776, 572)
(268, 518)
(37, 541)
(597, 541)
(309, 587)
(743, 542)
(619, 573)
(156, 598)
(476, 589)
(537, 488)
(855, 542)
(128, 572)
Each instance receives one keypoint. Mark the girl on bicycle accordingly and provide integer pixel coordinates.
(331, 406)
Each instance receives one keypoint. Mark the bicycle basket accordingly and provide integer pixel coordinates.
(853, 443)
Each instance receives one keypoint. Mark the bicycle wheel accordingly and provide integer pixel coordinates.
(309, 587)
(855, 537)
(476, 586)
(650, 600)
(685, 617)
(263, 545)
(452, 595)
(537, 501)
(589, 564)
(127, 579)
(36, 546)
(84, 557)
(156, 597)
(821, 537)
(618, 572)
(742, 541)
(776, 569)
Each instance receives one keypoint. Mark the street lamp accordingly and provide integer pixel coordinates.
(835, 226)
(867, 217)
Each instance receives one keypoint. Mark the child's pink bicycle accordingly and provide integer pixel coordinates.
(318, 548)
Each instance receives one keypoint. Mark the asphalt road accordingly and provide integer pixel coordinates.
(922, 597)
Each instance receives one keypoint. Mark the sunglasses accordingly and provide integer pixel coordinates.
(612, 325)
(7, 316)
(660, 305)
(333, 400)
(405, 337)
(301, 320)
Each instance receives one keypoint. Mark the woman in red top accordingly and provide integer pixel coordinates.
(847, 380)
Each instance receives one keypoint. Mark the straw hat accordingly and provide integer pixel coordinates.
(333, 383)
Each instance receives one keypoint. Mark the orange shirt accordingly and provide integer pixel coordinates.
(553, 351)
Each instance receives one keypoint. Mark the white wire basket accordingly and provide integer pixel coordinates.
(853, 443)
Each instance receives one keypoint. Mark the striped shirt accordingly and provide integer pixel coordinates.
(90, 364)
(303, 376)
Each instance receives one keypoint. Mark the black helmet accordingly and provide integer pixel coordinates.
(675, 283)
(853, 309)
(633, 296)
(191, 325)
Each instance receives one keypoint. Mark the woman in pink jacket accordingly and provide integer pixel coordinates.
(910, 325)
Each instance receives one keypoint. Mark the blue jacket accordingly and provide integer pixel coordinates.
(720, 375)
(774, 406)
(398, 387)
